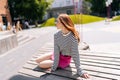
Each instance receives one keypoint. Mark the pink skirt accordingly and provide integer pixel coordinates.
(64, 61)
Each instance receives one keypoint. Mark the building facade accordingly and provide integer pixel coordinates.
(64, 6)
(4, 12)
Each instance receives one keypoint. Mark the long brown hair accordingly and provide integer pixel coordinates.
(69, 25)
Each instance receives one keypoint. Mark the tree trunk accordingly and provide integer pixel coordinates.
(36, 23)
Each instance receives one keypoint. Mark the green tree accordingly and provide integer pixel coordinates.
(98, 7)
(86, 7)
(115, 5)
(29, 9)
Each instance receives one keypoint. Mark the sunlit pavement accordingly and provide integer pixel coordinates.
(101, 37)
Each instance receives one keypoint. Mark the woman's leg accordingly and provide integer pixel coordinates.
(46, 64)
(46, 56)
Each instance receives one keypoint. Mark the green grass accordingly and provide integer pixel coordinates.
(85, 19)
(76, 19)
(116, 18)
(49, 22)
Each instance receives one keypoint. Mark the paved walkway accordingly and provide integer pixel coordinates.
(100, 36)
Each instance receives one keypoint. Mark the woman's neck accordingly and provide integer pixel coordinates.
(65, 31)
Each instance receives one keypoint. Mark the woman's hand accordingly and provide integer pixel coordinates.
(85, 75)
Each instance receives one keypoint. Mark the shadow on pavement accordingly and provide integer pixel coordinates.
(22, 77)
(43, 77)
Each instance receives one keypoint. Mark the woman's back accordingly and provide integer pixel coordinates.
(65, 42)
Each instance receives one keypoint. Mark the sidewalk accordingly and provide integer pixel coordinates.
(101, 37)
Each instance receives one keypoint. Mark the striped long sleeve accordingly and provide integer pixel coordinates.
(56, 54)
(75, 56)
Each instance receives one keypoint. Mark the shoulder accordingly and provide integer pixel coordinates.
(57, 34)
(73, 39)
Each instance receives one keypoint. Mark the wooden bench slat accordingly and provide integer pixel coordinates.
(101, 62)
(100, 58)
(31, 72)
(43, 52)
(32, 62)
(101, 65)
(94, 52)
(99, 55)
(45, 49)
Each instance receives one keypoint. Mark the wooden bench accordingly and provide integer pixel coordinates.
(101, 66)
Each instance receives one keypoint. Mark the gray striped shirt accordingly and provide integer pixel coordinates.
(67, 45)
